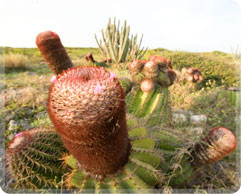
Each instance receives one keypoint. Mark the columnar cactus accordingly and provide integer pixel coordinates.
(33, 159)
(117, 45)
(149, 99)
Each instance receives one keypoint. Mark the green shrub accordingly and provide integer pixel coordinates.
(213, 65)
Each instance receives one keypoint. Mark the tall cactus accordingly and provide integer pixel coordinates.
(117, 45)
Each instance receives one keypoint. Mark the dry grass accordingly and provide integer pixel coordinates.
(26, 96)
(183, 94)
(14, 61)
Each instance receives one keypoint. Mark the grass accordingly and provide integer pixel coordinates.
(14, 61)
(27, 84)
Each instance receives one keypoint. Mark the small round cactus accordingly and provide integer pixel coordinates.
(193, 75)
(33, 159)
(217, 144)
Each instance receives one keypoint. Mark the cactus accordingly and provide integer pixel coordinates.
(149, 99)
(54, 53)
(87, 108)
(33, 159)
(110, 150)
(117, 45)
(217, 144)
(140, 174)
(193, 75)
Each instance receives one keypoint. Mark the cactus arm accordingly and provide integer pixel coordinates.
(100, 46)
(111, 47)
(124, 46)
(143, 53)
(105, 45)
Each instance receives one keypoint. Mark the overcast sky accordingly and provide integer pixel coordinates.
(189, 25)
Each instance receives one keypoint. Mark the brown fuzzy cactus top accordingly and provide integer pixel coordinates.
(87, 108)
(217, 144)
(157, 70)
(53, 51)
(19, 142)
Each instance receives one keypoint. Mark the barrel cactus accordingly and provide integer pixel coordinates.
(101, 147)
(33, 159)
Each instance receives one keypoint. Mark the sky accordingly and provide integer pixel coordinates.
(188, 25)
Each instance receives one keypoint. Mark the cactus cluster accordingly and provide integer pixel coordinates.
(107, 149)
(193, 75)
(156, 71)
(117, 45)
(149, 99)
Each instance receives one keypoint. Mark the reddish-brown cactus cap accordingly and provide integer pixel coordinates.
(147, 85)
(19, 142)
(217, 144)
(53, 51)
(87, 108)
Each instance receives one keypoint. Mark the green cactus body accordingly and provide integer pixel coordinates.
(33, 159)
(152, 106)
(126, 84)
(140, 174)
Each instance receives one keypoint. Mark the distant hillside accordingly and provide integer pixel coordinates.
(215, 65)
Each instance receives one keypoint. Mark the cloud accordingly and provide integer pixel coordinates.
(238, 2)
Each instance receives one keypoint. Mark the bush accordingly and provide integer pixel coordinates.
(14, 61)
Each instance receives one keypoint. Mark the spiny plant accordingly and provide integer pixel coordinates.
(149, 98)
(33, 159)
(217, 144)
(110, 150)
(117, 45)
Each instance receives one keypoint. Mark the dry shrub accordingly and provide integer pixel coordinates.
(14, 61)
(182, 94)
(26, 96)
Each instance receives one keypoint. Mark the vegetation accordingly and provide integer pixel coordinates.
(118, 46)
(26, 92)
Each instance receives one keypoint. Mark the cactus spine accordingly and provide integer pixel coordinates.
(117, 45)
(33, 159)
